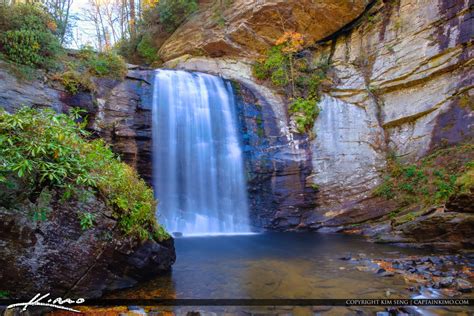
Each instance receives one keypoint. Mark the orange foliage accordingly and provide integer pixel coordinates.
(52, 26)
(292, 42)
(149, 4)
(92, 311)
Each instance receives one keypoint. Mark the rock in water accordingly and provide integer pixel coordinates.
(463, 285)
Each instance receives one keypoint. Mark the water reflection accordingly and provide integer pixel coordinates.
(279, 265)
(272, 265)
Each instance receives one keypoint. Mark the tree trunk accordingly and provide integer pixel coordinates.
(132, 18)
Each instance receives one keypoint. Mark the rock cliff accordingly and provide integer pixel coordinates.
(400, 84)
(56, 256)
(246, 28)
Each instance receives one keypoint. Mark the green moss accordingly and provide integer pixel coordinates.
(406, 218)
(385, 189)
(43, 149)
(304, 112)
(465, 182)
(432, 180)
(75, 82)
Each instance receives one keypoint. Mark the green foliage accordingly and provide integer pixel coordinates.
(46, 149)
(173, 12)
(431, 181)
(147, 50)
(77, 76)
(21, 46)
(75, 82)
(300, 81)
(27, 36)
(106, 64)
(305, 112)
(385, 189)
(4, 294)
(274, 66)
(86, 220)
(25, 16)
(465, 183)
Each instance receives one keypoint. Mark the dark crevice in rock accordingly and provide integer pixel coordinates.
(347, 29)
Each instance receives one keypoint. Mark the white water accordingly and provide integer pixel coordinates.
(198, 170)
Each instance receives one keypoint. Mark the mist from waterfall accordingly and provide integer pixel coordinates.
(198, 171)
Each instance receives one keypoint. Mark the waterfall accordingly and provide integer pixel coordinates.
(198, 170)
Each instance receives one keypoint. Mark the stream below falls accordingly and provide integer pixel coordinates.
(281, 265)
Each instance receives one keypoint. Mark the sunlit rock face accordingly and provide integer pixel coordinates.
(248, 28)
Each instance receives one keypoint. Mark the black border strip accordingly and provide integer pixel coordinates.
(265, 302)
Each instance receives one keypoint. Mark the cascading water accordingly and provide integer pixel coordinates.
(197, 160)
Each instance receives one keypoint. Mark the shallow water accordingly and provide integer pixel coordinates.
(274, 265)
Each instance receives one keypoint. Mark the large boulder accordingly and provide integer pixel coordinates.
(249, 28)
(443, 230)
(45, 249)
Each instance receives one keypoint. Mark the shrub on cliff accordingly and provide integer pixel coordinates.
(79, 72)
(45, 149)
(27, 35)
(430, 182)
(75, 82)
(103, 64)
(146, 50)
(291, 72)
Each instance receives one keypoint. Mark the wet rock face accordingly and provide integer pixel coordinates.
(15, 93)
(247, 28)
(122, 116)
(279, 193)
(57, 256)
